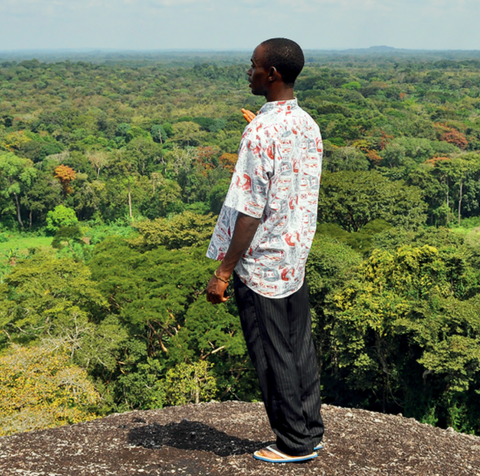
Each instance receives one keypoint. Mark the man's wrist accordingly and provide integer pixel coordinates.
(223, 278)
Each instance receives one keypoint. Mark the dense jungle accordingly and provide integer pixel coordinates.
(112, 171)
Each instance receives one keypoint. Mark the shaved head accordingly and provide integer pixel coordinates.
(285, 56)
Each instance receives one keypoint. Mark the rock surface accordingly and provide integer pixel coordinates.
(219, 438)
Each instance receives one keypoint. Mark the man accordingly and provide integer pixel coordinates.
(264, 232)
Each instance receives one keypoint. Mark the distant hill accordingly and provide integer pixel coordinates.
(381, 49)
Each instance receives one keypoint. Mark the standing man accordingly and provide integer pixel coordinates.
(264, 233)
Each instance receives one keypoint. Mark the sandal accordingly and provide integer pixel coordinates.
(282, 457)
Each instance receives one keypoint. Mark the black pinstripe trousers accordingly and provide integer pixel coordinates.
(279, 341)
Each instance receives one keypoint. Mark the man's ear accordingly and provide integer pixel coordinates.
(274, 75)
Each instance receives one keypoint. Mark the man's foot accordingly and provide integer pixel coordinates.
(272, 455)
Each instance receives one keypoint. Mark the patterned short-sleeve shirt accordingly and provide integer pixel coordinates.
(276, 179)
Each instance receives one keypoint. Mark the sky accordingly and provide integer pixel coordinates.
(238, 24)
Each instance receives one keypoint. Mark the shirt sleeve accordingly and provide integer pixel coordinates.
(250, 183)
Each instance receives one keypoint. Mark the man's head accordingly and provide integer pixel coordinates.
(286, 56)
(276, 63)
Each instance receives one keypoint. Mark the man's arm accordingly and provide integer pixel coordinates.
(245, 228)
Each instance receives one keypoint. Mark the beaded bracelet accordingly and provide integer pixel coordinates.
(220, 278)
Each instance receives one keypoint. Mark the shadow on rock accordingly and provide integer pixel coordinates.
(192, 435)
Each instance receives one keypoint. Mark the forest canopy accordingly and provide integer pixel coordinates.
(112, 171)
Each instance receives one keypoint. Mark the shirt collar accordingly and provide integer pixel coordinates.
(279, 106)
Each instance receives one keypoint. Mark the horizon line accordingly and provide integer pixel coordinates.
(381, 48)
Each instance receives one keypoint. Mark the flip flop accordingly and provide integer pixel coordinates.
(318, 447)
(283, 457)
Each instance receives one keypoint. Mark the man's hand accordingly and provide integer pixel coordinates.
(215, 291)
(248, 115)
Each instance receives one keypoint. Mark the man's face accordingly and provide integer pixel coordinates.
(257, 74)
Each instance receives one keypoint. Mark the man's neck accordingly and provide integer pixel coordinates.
(283, 94)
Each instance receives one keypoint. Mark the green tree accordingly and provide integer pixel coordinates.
(450, 187)
(190, 383)
(399, 334)
(16, 176)
(42, 389)
(346, 158)
(44, 194)
(185, 229)
(43, 293)
(158, 295)
(187, 133)
(159, 134)
(352, 199)
(61, 216)
(163, 197)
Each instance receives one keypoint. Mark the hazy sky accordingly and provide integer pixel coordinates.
(238, 24)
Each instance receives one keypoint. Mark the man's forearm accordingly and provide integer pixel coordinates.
(245, 229)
